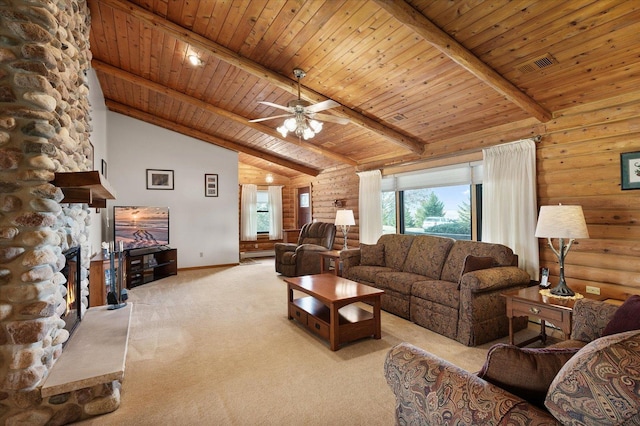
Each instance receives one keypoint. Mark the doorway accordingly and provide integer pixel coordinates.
(303, 206)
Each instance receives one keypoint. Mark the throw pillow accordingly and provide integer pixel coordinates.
(372, 254)
(599, 385)
(525, 372)
(626, 318)
(474, 263)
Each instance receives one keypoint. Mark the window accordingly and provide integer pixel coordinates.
(444, 201)
(263, 211)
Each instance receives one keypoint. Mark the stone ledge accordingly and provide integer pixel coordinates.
(95, 354)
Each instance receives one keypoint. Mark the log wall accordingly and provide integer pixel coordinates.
(337, 183)
(578, 162)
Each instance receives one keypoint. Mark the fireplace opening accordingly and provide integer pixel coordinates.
(71, 271)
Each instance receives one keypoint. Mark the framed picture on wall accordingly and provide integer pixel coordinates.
(210, 185)
(630, 168)
(159, 179)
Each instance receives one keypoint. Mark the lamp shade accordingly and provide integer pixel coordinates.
(345, 217)
(561, 222)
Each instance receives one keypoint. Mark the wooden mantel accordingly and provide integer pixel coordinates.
(85, 187)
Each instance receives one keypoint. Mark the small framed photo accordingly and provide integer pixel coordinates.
(104, 168)
(159, 179)
(210, 185)
(630, 168)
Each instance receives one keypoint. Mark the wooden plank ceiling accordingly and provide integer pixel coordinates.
(416, 79)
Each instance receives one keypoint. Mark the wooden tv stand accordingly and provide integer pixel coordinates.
(145, 265)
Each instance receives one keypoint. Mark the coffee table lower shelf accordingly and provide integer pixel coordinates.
(354, 322)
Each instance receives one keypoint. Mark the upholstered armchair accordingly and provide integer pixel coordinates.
(303, 257)
(579, 383)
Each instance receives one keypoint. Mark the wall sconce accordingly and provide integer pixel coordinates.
(338, 203)
(269, 178)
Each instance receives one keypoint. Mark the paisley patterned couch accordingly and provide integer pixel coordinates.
(578, 382)
(448, 286)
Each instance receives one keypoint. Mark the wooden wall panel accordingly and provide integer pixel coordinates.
(337, 183)
(578, 162)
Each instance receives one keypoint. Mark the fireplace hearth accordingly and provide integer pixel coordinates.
(71, 271)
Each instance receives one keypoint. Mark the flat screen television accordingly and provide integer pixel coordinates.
(140, 227)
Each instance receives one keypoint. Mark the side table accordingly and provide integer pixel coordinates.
(330, 262)
(529, 302)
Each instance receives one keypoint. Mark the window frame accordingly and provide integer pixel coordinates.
(259, 211)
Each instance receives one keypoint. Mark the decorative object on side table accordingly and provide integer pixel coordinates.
(210, 185)
(159, 179)
(561, 222)
(630, 170)
(344, 219)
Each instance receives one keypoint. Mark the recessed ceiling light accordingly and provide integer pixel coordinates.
(195, 61)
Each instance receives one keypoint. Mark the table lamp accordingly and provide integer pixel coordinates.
(344, 219)
(561, 222)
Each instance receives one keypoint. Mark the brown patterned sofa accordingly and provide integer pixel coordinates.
(587, 380)
(303, 258)
(448, 286)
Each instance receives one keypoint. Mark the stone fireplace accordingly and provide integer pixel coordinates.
(44, 129)
(73, 302)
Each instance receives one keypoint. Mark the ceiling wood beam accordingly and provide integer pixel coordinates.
(442, 41)
(224, 143)
(466, 144)
(148, 84)
(259, 71)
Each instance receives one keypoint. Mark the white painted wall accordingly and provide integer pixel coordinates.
(198, 224)
(98, 138)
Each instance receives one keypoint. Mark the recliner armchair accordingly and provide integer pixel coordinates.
(302, 258)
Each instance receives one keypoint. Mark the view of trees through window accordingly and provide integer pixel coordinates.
(263, 211)
(442, 211)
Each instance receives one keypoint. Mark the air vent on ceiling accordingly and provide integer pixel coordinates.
(399, 117)
(536, 64)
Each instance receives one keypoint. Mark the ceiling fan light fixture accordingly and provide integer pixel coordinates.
(307, 133)
(300, 120)
(316, 126)
(282, 130)
(291, 124)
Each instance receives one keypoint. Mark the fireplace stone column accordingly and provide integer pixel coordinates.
(44, 128)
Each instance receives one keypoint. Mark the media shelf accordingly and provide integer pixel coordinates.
(145, 265)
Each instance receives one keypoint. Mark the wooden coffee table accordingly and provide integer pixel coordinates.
(329, 309)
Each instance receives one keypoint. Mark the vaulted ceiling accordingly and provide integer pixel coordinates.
(417, 79)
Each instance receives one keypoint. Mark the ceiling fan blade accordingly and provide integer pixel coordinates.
(330, 118)
(321, 106)
(271, 104)
(256, 120)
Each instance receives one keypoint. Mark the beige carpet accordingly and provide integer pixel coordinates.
(215, 347)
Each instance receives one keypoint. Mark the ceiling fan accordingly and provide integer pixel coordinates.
(302, 116)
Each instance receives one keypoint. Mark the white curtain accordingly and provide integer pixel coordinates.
(249, 213)
(370, 206)
(509, 211)
(275, 212)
